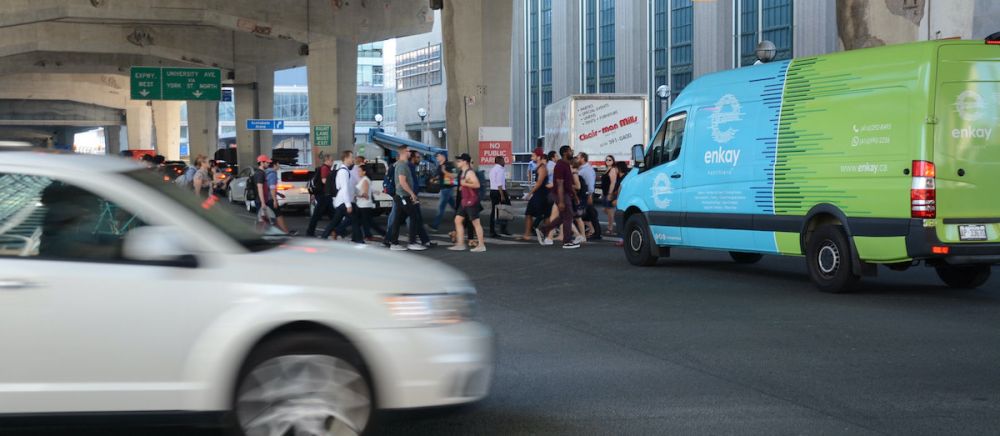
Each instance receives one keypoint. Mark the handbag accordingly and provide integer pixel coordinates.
(504, 212)
(470, 196)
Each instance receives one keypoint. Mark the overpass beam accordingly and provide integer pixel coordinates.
(203, 128)
(139, 124)
(332, 66)
(477, 53)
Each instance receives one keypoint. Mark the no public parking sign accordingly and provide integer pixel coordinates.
(493, 142)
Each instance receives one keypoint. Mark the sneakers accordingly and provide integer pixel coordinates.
(479, 249)
(579, 240)
(431, 244)
(457, 247)
(547, 241)
(571, 245)
(541, 237)
(397, 247)
(416, 247)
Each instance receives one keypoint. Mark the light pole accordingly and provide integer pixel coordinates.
(422, 113)
(378, 120)
(664, 93)
(766, 51)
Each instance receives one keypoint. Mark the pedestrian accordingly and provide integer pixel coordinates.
(579, 204)
(202, 177)
(445, 174)
(355, 177)
(343, 202)
(322, 188)
(609, 185)
(365, 201)
(538, 196)
(563, 197)
(498, 196)
(588, 177)
(407, 205)
(470, 207)
(550, 165)
(266, 181)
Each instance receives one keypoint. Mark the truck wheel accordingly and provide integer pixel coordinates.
(964, 276)
(639, 247)
(745, 258)
(303, 384)
(829, 259)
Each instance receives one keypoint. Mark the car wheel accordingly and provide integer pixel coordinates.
(964, 276)
(303, 384)
(745, 258)
(639, 247)
(829, 259)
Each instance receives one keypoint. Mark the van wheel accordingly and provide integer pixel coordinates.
(639, 242)
(829, 259)
(303, 384)
(745, 258)
(964, 276)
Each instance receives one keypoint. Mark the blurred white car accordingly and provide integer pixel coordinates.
(120, 294)
(293, 188)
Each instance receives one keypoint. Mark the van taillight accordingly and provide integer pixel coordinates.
(923, 190)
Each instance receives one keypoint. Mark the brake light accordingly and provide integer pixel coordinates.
(300, 172)
(229, 170)
(923, 190)
(285, 187)
(166, 178)
(996, 42)
(940, 250)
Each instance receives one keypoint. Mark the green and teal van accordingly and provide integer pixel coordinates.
(886, 156)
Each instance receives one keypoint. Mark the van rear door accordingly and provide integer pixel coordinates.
(967, 142)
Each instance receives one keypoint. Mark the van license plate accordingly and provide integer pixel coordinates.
(972, 233)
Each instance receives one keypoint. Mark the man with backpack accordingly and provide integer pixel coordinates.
(343, 199)
(317, 188)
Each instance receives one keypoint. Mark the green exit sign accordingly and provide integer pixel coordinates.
(169, 83)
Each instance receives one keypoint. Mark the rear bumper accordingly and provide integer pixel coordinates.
(921, 240)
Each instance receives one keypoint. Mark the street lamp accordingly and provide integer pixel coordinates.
(422, 113)
(378, 120)
(664, 93)
(766, 51)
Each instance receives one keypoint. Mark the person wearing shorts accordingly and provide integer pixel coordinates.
(470, 207)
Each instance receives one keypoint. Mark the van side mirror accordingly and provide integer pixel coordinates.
(639, 155)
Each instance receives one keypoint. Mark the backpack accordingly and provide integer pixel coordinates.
(251, 190)
(315, 185)
(389, 184)
(186, 180)
(331, 188)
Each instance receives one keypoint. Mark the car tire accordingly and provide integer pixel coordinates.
(829, 260)
(745, 258)
(639, 247)
(311, 383)
(964, 276)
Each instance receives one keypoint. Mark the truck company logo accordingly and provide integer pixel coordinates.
(727, 110)
(662, 190)
(970, 106)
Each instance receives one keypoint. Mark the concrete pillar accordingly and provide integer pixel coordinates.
(203, 128)
(265, 106)
(254, 99)
(332, 67)
(477, 55)
(139, 123)
(112, 140)
(167, 128)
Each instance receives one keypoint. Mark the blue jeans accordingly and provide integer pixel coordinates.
(447, 199)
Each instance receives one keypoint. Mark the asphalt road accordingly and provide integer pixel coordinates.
(588, 344)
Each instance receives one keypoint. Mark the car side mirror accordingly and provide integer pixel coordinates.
(157, 245)
(639, 155)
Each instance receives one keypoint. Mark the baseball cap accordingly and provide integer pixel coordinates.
(465, 157)
(263, 158)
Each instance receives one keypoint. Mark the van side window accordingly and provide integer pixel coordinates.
(666, 146)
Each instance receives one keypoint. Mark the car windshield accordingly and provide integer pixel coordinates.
(219, 213)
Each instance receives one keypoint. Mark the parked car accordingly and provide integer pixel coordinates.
(123, 296)
(292, 187)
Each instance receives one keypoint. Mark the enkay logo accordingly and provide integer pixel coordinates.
(662, 190)
(970, 106)
(727, 110)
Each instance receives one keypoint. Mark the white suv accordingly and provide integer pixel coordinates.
(293, 191)
(122, 294)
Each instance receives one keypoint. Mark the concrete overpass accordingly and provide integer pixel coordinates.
(75, 55)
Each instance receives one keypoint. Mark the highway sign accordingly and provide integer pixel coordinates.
(322, 135)
(265, 124)
(168, 83)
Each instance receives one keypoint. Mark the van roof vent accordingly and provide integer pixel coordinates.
(993, 39)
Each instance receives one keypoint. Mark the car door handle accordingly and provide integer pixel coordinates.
(675, 176)
(15, 285)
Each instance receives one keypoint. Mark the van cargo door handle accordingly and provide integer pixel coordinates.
(15, 285)
(675, 176)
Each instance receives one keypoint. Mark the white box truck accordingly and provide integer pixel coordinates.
(598, 124)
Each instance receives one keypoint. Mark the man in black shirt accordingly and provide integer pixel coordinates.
(446, 182)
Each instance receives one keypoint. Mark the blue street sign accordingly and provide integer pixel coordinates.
(265, 124)
(227, 94)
